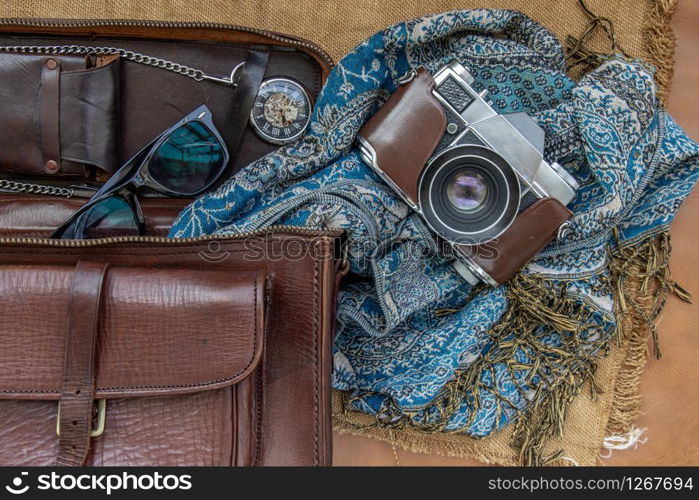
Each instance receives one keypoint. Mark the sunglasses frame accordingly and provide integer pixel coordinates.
(135, 174)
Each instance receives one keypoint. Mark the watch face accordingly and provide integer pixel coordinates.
(281, 111)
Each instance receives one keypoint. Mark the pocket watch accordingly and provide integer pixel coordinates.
(281, 111)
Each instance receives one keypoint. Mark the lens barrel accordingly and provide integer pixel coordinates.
(469, 194)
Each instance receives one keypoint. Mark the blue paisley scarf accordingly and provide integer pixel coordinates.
(416, 345)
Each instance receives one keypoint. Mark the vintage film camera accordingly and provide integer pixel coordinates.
(478, 178)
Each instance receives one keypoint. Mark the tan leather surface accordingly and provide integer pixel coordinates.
(178, 312)
(669, 386)
(405, 131)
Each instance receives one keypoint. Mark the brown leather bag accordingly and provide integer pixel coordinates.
(132, 351)
(151, 351)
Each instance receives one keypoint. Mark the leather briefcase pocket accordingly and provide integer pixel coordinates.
(105, 365)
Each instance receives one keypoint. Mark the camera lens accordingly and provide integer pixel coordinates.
(467, 190)
(469, 194)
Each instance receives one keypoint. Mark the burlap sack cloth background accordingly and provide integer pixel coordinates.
(642, 29)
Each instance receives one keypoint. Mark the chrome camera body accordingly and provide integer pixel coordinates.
(486, 169)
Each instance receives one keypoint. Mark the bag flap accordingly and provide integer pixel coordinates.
(161, 331)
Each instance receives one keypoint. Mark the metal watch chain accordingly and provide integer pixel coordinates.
(129, 55)
(26, 187)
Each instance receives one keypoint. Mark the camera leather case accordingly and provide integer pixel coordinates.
(399, 140)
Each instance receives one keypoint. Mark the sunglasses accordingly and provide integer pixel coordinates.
(183, 162)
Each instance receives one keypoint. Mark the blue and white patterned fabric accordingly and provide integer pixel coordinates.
(634, 164)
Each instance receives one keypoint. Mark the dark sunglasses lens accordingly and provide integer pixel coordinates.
(110, 217)
(189, 160)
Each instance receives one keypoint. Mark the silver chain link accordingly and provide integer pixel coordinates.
(26, 187)
(129, 55)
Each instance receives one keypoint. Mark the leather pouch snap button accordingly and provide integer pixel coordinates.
(51, 166)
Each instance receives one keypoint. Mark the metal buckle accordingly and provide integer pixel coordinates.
(226, 80)
(101, 418)
(564, 230)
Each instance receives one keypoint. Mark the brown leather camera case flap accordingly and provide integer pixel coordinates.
(207, 352)
(152, 99)
(530, 232)
(405, 131)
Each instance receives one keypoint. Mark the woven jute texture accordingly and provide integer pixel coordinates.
(642, 26)
(643, 30)
(583, 433)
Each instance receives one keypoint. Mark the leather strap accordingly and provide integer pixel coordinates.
(50, 115)
(76, 404)
(238, 115)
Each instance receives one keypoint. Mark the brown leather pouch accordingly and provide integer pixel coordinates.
(59, 114)
(149, 351)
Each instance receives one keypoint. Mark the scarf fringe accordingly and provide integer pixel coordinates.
(641, 281)
(658, 39)
(560, 371)
(642, 278)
